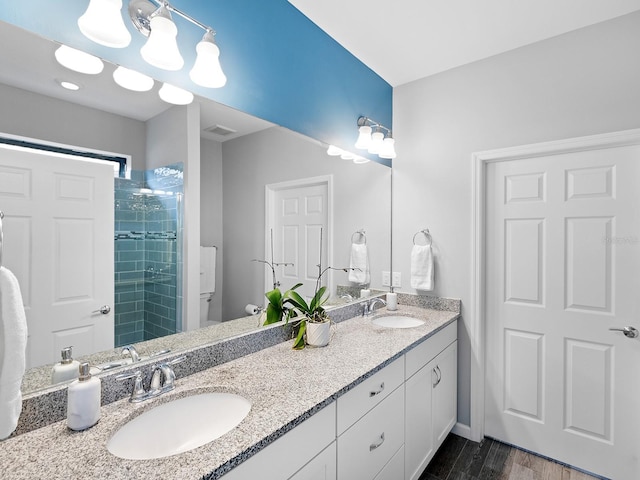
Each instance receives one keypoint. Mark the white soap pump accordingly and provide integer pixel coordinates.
(66, 369)
(83, 400)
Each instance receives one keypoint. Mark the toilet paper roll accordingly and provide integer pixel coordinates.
(252, 309)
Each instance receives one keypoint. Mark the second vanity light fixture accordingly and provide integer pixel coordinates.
(103, 23)
(375, 138)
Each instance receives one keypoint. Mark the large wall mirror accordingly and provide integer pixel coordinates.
(252, 177)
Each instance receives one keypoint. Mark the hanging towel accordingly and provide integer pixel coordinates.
(359, 261)
(422, 267)
(208, 269)
(13, 345)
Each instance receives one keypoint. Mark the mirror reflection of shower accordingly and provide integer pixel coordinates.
(148, 254)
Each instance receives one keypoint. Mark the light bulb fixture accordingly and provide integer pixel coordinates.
(347, 155)
(380, 142)
(103, 23)
(78, 61)
(360, 160)
(334, 151)
(377, 138)
(132, 80)
(68, 85)
(175, 95)
(161, 49)
(207, 71)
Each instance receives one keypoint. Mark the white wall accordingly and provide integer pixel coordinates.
(211, 215)
(581, 83)
(45, 118)
(361, 198)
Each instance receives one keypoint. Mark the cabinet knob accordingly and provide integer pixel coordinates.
(377, 443)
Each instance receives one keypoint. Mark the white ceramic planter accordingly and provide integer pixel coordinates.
(318, 334)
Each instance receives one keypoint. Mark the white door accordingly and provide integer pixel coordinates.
(300, 217)
(58, 241)
(563, 263)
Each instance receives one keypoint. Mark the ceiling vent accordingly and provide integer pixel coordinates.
(220, 130)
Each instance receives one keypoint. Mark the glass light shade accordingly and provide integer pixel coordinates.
(388, 149)
(78, 61)
(347, 155)
(364, 137)
(207, 71)
(132, 80)
(103, 23)
(175, 95)
(161, 49)
(69, 85)
(334, 151)
(360, 160)
(377, 138)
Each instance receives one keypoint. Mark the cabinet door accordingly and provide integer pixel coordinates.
(419, 446)
(394, 470)
(445, 394)
(323, 467)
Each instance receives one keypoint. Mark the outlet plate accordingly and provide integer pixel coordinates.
(386, 279)
(396, 279)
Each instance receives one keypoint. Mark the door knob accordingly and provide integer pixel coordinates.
(629, 332)
(104, 310)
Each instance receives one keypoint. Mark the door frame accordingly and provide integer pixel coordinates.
(270, 194)
(476, 317)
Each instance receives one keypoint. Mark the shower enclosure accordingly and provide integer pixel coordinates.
(148, 254)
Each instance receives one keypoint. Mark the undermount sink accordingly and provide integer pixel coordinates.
(179, 426)
(397, 321)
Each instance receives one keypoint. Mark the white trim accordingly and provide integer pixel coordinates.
(476, 324)
(462, 430)
(270, 192)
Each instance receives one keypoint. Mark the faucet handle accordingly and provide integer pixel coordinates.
(137, 394)
(131, 350)
(169, 374)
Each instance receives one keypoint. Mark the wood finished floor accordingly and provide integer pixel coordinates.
(461, 459)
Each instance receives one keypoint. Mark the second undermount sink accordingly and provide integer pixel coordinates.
(397, 321)
(179, 426)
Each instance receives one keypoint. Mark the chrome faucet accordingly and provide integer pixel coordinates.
(347, 297)
(369, 305)
(131, 350)
(162, 381)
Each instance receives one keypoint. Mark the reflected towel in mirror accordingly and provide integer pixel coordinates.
(422, 277)
(359, 262)
(13, 345)
(208, 269)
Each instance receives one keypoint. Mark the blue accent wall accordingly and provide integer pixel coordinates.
(280, 66)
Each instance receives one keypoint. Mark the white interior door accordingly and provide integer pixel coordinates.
(300, 213)
(562, 263)
(58, 241)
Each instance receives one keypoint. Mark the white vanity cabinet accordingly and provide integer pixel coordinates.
(431, 398)
(308, 452)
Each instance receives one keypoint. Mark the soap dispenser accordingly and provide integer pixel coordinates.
(83, 400)
(66, 369)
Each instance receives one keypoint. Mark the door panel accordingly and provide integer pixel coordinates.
(562, 269)
(59, 243)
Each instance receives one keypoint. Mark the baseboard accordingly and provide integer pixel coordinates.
(462, 430)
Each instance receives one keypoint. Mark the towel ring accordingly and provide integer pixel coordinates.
(360, 233)
(427, 236)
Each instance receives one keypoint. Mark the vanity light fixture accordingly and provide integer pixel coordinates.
(78, 61)
(375, 138)
(68, 85)
(360, 160)
(103, 23)
(175, 95)
(334, 151)
(132, 80)
(152, 18)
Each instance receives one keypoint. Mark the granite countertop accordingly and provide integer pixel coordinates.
(284, 386)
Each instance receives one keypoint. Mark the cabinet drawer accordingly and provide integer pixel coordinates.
(365, 448)
(419, 356)
(356, 403)
(394, 470)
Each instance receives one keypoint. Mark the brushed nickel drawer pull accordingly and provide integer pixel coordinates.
(377, 392)
(375, 445)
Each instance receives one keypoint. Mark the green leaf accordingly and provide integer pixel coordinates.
(274, 296)
(316, 301)
(298, 343)
(298, 301)
(274, 315)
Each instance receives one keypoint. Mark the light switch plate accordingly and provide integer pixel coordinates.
(386, 279)
(397, 279)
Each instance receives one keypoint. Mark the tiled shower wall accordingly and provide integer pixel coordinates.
(147, 255)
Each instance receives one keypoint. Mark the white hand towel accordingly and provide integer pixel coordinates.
(422, 267)
(13, 345)
(208, 269)
(359, 261)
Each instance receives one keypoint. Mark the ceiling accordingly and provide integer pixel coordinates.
(28, 63)
(406, 40)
